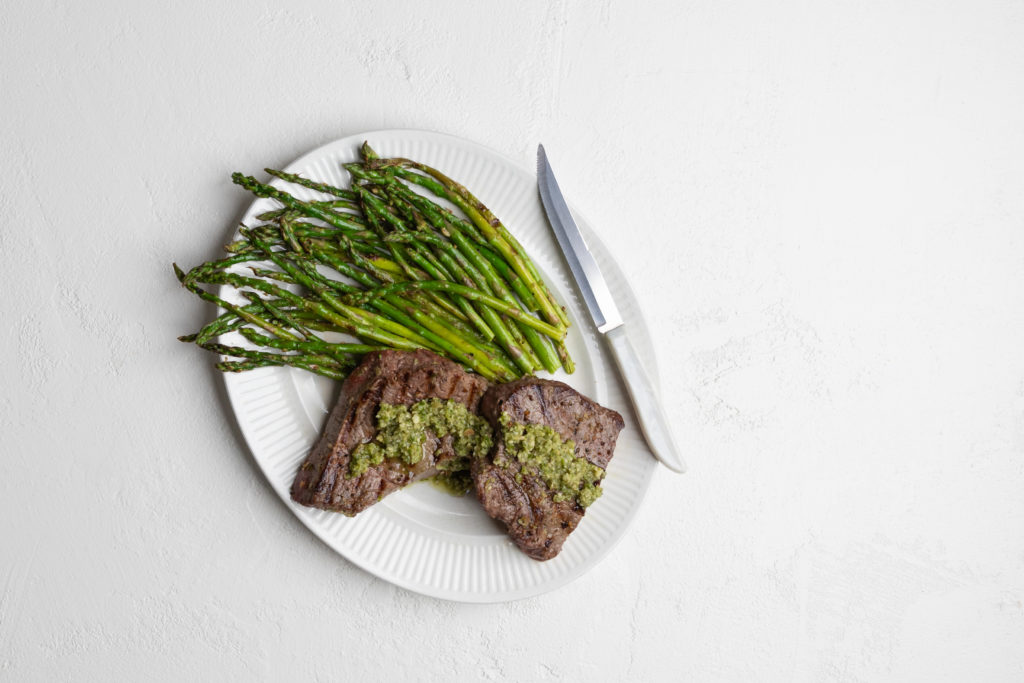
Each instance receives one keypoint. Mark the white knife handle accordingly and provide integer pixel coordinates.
(653, 422)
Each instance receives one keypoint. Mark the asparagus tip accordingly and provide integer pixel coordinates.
(367, 151)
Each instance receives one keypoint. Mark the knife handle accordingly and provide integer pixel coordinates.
(649, 412)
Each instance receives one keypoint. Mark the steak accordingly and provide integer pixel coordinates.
(394, 377)
(536, 518)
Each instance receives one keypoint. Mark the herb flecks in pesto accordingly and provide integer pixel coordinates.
(541, 450)
(402, 435)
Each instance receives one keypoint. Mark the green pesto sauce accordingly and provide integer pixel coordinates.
(454, 482)
(402, 434)
(540, 449)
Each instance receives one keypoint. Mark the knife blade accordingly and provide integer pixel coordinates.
(601, 305)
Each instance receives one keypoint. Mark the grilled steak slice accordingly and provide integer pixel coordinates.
(394, 377)
(537, 518)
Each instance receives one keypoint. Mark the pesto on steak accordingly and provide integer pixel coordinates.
(402, 434)
(541, 450)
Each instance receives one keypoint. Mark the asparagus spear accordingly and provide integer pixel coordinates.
(438, 285)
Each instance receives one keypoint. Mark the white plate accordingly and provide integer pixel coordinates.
(421, 538)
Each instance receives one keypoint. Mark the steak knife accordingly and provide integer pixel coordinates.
(606, 317)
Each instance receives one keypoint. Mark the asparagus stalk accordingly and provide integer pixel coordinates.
(347, 195)
(321, 365)
(505, 308)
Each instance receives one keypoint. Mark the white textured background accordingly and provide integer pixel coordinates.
(821, 203)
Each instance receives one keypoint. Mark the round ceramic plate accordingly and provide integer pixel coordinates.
(421, 538)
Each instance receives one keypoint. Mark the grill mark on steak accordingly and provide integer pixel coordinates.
(398, 378)
(535, 522)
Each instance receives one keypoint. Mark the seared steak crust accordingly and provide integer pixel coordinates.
(535, 522)
(398, 378)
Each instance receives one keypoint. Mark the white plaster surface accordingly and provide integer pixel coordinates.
(821, 203)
